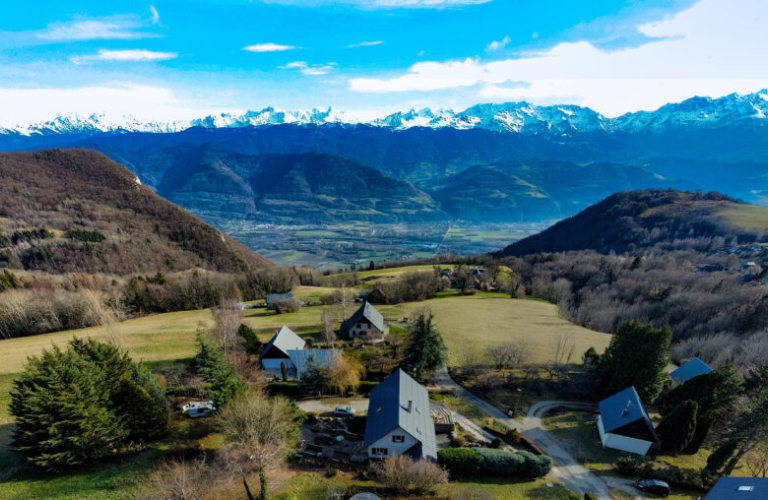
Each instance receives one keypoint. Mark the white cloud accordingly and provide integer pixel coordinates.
(310, 69)
(155, 14)
(28, 106)
(381, 4)
(269, 47)
(114, 29)
(365, 44)
(498, 45)
(713, 48)
(125, 56)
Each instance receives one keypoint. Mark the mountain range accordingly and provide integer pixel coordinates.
(489, 163)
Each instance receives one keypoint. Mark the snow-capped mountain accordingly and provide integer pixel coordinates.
(519, 117)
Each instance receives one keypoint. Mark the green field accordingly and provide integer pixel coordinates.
(751, 217)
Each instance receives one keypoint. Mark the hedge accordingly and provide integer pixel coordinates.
(521, 463)
(460, 462)
(366, 386)
(283, 388)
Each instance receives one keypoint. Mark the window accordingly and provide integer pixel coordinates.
(398, 439)
(380, 451)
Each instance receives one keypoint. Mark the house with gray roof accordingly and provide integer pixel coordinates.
(365, 323)
(399, 421)
(276, 353)
(624, 423)
(739, 488)
(693, 368)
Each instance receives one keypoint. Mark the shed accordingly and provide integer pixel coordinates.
(624, 423)
(693, 368)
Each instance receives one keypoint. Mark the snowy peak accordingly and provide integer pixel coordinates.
(515, 117)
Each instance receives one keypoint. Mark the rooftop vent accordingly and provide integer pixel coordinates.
(745, 488)
(410, 405)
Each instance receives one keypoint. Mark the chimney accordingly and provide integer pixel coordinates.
(626, 408)
(410, 405)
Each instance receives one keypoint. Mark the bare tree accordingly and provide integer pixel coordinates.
(508, 356)
(328, 325)
(261, 431)
(178, 480)
(401, 473)
(228, 317)
(564, 348)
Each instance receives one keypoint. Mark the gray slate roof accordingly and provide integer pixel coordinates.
(284, 340)
(388, 410)
(300, 357)
(366, 311)
(277, 297)
(693, 368)
(739, 488)
(612, 410)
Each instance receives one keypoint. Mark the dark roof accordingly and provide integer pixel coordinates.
(739, 488)
(366, 311)
(388, 409)
(693, 368)
(284, 340)
(624, 408)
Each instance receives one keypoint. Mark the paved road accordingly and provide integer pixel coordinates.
(569, 471)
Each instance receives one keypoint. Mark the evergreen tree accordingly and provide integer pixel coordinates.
(636, 356)
(220, 378)
(677, 429)
(145, 419)
(252, 343)
(426, 350)
(312, 379)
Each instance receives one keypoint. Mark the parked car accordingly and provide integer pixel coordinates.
(344, 411)
(197, 409)
(654, 486)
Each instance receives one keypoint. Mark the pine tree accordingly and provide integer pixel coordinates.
(312, 378)
(145, 419)
(636, 356)
(252, 343)
(426, 351)
(677, 429)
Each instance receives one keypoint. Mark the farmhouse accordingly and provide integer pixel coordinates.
(693, 368)
(365, 323)
(739, 488)
(289, 350)
(624, 423)
(399, 421)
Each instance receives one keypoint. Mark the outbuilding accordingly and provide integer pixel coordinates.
(624, 423)
(693, 368)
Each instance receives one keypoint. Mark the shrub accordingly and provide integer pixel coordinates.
(460, 462)
(291, 305)
(512, 437)
(85, 235)
(332, 473)
(311, 418)
(535, 465)
(458, 442)
(401, 474)
(522, 463)
(496, 443)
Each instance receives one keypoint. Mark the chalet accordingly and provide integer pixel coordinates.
(276, 352)
(739, 488)
(365, 323)
(693, 368)
(289, 350)
(399, 421)
(624, 423)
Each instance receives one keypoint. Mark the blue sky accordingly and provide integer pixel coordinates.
(171, 59)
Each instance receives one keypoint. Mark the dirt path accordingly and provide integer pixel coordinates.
(569, 471)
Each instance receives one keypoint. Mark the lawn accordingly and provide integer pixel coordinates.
(745, 216)
(394, 272)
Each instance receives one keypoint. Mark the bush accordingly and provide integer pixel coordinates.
(512, 437)
(401, 474)
(458, 442)
(496, 443)
(502, 463)
(85, 235)
(311, 418)
(332, 473)
(291, 305)
(459, 462)
(589, 496)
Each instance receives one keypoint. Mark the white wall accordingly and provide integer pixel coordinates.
(394, 448)
(622, 443)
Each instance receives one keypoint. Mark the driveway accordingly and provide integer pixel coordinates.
(568, 471)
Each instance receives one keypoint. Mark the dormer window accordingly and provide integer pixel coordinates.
(398, 439)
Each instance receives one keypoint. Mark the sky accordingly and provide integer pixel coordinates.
(180, 59)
